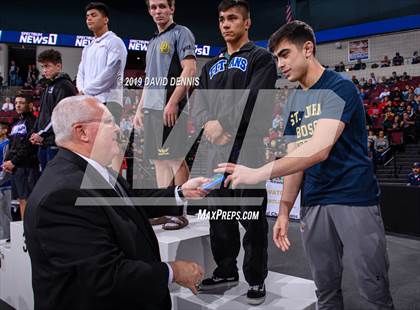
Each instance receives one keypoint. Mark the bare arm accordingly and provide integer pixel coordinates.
(291, 188)
(316, 150)
(189, 65)
(170, 113)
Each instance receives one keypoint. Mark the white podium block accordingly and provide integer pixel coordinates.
(15, 271)
(191, 243)
(283, 292)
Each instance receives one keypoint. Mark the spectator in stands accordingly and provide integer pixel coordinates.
(126, 127)
(340, 67)
(417, 122)
(405, 92)
(385, 62)
(359, 65)
(373, 78)
(389, 119)
(21, 159)
(363, 94)
(59, 87)
(417, 90)
(355, 80)
(405, 77)
(13, 73)
(397, 125)
(33, 81)
(19, 80)
(384, 93)
(411, 113)
(362, 82)
(397, 60)
(33, 73)
(373, 112)
(410, 95)
(1, 81)
(383, 103)
(401, 109)
(381, 144)
(27, 86)
(7, 105)
(414, 176)
(35, 111)
(416, 104)
(394, 78)
(396, 95)
(28, 74)
(276, 122)
(384, 81)
(5, 186)
(409, 128)
(272, 134)
(369, 84)
(371, 141)
(388, 104)
(416, 58)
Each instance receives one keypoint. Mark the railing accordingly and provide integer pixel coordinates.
(392, 151)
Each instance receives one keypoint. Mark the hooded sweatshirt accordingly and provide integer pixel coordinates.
(59, 88)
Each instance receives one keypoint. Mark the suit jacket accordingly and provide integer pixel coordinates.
(89, 256)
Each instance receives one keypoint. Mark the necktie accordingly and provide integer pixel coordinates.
(114, 182)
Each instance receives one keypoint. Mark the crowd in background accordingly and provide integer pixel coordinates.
(397, 60)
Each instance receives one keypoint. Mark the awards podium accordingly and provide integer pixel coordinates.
(15, 271)
(193, 243)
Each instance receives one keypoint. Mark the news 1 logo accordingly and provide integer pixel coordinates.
(38, 38)
(203, 50)
(82, 41)
(138, 45)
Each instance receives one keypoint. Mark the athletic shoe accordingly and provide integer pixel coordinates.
(215, 282)
(256, 294)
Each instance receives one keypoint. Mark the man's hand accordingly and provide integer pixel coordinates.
(170, 114)
(8, 166)
(36, 139)
(240, 174)
(138, 119)
(223, 139)
(187, 274)
(280, 230)
(213, 131)
(192, 188)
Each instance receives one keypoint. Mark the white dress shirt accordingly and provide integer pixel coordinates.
(8, 106)
(101, 69)
(105, 174)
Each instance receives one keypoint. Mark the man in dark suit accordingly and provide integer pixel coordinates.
(90, 246)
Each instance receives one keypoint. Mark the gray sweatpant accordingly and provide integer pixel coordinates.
(5, 213)
(326, 232)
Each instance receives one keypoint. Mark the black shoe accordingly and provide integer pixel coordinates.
(256, 294)
(216, 282)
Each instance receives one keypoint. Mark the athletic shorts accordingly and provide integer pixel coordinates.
(23, 181)
(156, 143)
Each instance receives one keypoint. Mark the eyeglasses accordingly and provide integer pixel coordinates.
(107, 121)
